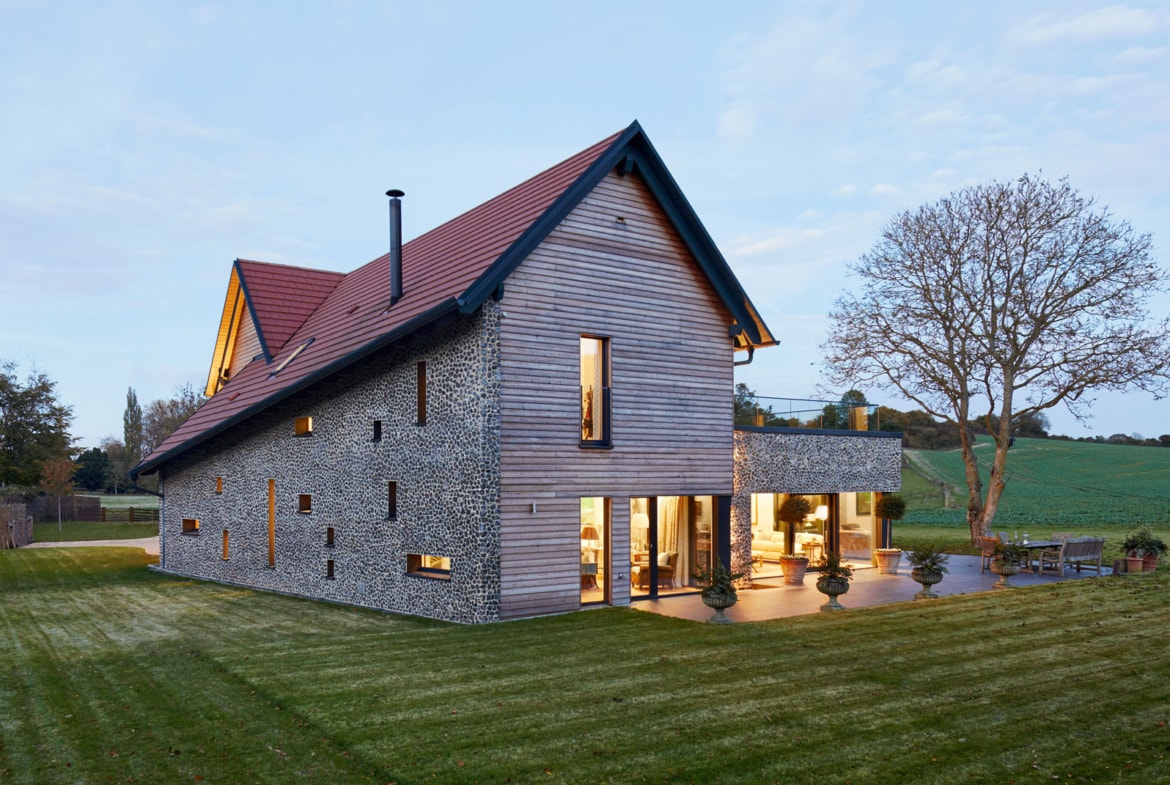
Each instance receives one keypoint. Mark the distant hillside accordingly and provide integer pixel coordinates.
(1050, 482)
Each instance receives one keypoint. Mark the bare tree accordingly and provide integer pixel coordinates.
(996, 303)
(162, 418)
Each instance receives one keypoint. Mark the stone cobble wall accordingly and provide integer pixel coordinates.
(775, 460)
(447, 474)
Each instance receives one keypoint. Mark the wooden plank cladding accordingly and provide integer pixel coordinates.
(614, 268)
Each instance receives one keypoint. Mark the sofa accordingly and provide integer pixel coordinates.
(767, 544)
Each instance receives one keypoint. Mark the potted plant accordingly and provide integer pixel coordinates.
(793, 511)
(719, 591)
(1142, 544)
(927, 565)
(1005, 562)
(833, 581)
(893, 507)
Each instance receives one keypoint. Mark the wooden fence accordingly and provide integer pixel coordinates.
(129, 514)
(16, 526)
(43, 509)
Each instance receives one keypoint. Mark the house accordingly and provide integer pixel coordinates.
(522, 411)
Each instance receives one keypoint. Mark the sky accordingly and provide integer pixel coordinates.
(146, 145)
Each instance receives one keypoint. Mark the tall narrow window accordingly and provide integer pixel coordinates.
(219, 484)
(329, 537)
(225, 544)
(422, 392)
(377, 430)
(392, 500)
(329, 569)
(272, 523)
(595, 392)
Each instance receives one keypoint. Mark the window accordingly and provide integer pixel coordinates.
(391, 500)
(329, 569)
(377, 430)
(305, 503)
(428, 566)
(190, 526)
(272, 523)
(225, 544)
(304, 426)
(422, 393)
(219, 484)
(329, 537)
(595, 392)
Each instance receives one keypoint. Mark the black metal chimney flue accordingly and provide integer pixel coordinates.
(395, 244)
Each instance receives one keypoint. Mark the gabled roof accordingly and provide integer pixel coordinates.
(449, 270)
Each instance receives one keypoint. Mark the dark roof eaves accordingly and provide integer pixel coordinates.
(366, 349)
(252, 311)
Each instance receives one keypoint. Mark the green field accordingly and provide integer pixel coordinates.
(122, 500)
(113, 673)
(1066, 486)
(70, 531)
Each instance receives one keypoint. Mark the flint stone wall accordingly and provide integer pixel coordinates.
(447, 474)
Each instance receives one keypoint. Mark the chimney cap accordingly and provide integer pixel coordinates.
(395, 193)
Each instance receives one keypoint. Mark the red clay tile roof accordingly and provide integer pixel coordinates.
(451, 268)
(282, 298)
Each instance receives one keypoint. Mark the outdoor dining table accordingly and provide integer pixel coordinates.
(1035, 545)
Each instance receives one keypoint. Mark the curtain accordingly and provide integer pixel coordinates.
(672, 535)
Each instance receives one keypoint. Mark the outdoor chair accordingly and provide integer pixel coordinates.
(1052, 558)
(987, 550)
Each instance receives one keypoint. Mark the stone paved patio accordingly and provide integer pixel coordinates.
(868, 588)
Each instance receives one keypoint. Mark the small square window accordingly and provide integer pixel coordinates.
(305, 503)
(190, 526)
(304, 426)
(377, 430)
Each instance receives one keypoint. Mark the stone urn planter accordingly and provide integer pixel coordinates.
(833, 581)
(1004, 570)
(833, 587)
(927, 578)
(927, 566)
(719, 592)
(719, 603)
(794, 568)
(888, 560)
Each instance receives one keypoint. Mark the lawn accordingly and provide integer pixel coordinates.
(91, 530)
(114, 673)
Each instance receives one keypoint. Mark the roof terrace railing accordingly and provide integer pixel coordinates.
(761, 410)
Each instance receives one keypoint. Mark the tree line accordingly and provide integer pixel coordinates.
(39, 455)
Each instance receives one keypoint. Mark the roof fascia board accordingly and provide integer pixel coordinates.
(402, 331)
(252, 312)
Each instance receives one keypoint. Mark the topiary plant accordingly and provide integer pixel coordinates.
(891, 506)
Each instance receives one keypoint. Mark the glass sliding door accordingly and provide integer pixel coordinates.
(672, 541)
(594, 549)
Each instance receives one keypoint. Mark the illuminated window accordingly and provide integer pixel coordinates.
(428, 566)
(304, 426)
(219, 484)
(595, 392)
(305, 503)
(190, 526)
(225, 544)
